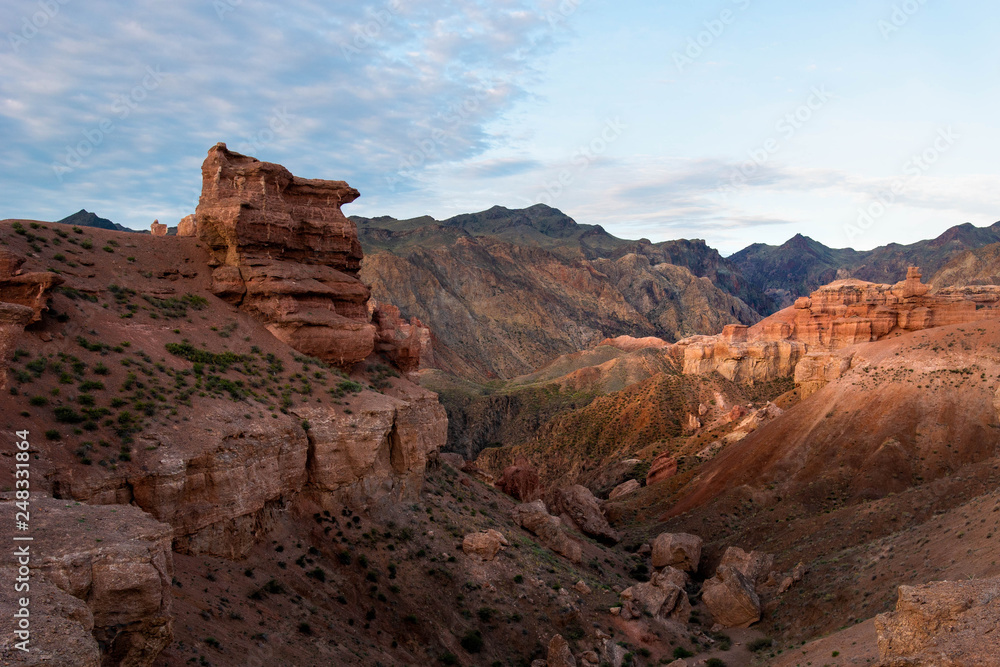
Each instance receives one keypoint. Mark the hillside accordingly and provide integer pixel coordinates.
(511, 290)
(972, 267)
(801, 264)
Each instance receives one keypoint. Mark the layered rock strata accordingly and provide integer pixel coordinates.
(809, 338)
(942, 624)
(286, 253)
(23, 299)
(100, 581)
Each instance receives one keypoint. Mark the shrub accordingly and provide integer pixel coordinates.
(681, 652)
(472, 641)
(760, 644)
(715, 662)
(68, 415)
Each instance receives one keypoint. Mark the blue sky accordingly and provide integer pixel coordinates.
(736, 121)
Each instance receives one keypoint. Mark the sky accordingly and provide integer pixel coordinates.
(857, 123)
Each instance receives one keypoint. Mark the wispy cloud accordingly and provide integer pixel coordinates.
(440, 70)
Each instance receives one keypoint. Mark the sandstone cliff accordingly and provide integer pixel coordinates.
(117, 561)
(835, 317)
(286, 253)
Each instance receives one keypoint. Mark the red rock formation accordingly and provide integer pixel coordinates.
(834, 317)
(521, 481)
(117, 560)
(187, 226)
(944, 624)
(406, 344)
(23, 298)
(157, 229)
(287, 254)
(663, 468)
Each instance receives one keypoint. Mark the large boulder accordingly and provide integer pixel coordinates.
(663, 596)
(680, 550)
(521, 481)
(486, 544)
(941, 624)
(559, 654)
(584, 510)
(755, 566)
(535, 518)
(731, 599)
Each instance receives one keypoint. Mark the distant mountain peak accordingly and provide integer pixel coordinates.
(84, 218)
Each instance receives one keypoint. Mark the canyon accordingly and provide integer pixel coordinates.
(276, 434)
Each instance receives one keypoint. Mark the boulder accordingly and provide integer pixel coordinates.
(534, 518)
(584, 510)
(941, 624)
(624, 489)
(731, 599)
(158, 229)
(663, 468)
(485, 545)
(520, 481)
(755, 566)
(559, 654)
(680, 550)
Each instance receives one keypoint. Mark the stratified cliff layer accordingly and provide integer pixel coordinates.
(286, 253)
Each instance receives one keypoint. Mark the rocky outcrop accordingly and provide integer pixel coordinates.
(187, 226)
(942, 624)
(406, 344)
(286, 254)
(624, 489)
(731, 598)
(158, 229)
(23, 299)
(379, 451)
(679, 550)
(520, 481)
(844, 313)
(117, 561)
(535, 518)
(663, 467)
(485, 545)
(818, 369)
(583, 511)
(220, 481)
(31, 290)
